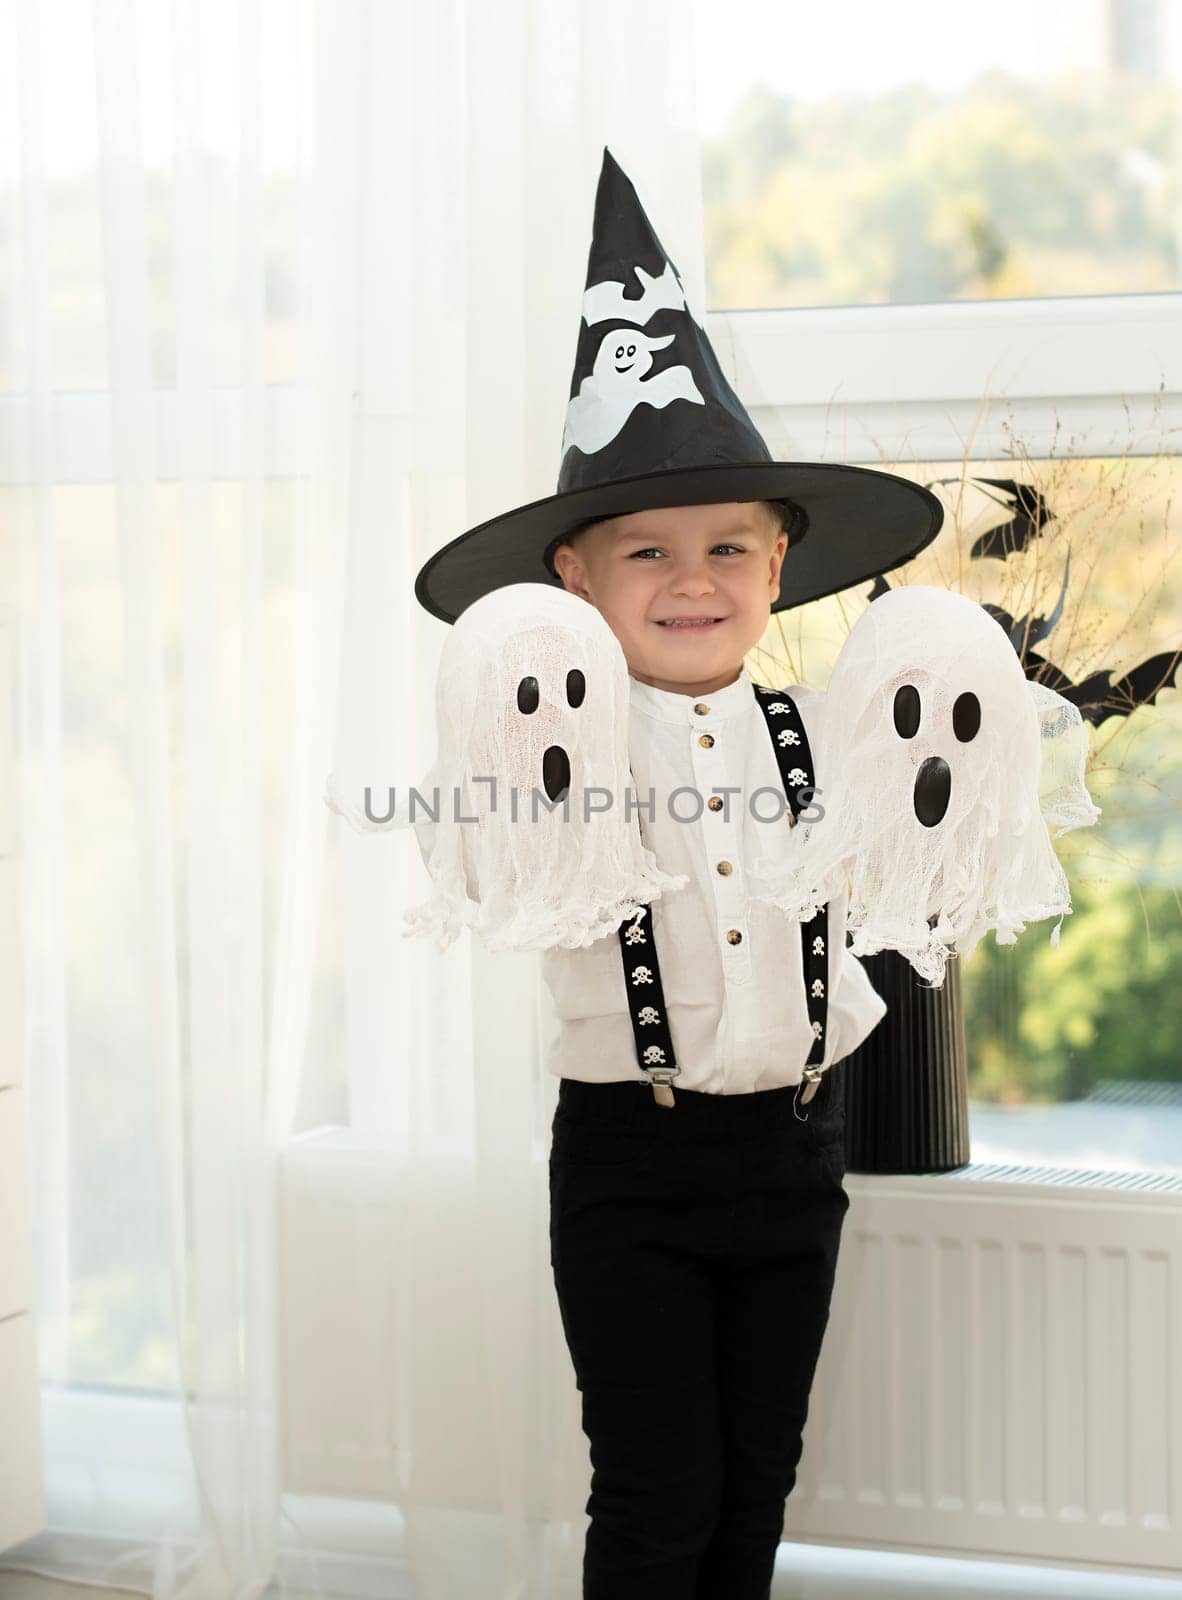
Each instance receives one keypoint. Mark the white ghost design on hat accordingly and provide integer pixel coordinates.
(938, 766)
(533, 846)
(619, 381)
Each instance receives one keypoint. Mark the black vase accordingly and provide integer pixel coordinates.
(906, 1086)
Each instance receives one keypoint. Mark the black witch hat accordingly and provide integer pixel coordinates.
(652, 422)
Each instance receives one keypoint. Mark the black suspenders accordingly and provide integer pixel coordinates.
(642, 971)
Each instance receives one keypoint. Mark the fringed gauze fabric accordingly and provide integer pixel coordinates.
(939, 766)
(528, 834)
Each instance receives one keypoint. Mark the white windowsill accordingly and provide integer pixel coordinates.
(359, 1545)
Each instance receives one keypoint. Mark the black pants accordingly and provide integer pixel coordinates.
(694, 1251)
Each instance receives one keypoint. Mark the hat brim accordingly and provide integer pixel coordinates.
(853, 523)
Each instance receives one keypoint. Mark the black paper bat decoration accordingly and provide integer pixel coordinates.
(1030, 515)
(1101, 695)
(1030, 630)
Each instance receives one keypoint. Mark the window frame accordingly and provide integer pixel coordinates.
(1103, 370)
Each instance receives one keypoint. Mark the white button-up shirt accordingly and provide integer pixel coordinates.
(736, 1008)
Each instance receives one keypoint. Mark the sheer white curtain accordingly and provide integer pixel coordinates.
(292, 293)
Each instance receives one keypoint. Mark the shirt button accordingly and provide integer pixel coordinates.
(702, 708)
(706, 740)
(733, 936)
(715, 802)
(725, 868)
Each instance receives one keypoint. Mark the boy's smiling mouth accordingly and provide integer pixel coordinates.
(688, 624)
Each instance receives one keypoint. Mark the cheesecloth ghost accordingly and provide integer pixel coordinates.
(531, 844)
(939, 767)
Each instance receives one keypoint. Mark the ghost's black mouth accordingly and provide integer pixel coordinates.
(933, 790)
(555, 773)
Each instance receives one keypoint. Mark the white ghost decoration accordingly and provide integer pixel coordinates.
(618, 383)
(938, 768)
(533, 845)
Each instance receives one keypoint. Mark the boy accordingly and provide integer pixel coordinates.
(697, 1156)
(694, 1253)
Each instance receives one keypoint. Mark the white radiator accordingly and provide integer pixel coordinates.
(1000, 1376)
(1001, 1372)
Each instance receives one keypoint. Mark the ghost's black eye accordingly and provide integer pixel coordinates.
(631, 349)
(527, 695)
(619, 352)
(576, 687)
(966, 716)
(907, 711)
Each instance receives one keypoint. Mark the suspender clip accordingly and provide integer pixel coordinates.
(807, 1088)
(662, 1090)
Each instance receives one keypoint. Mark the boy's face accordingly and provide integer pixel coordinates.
(715, 561)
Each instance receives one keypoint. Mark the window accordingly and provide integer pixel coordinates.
(942, 159)
(950, 255)
(1074, 1051)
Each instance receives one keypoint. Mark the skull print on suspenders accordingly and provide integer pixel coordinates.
(655, 1055)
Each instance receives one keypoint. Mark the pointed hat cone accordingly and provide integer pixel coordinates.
(652, 421)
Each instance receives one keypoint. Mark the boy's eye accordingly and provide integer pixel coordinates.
(652, 550)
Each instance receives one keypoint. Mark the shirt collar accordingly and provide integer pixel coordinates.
(730, 701)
